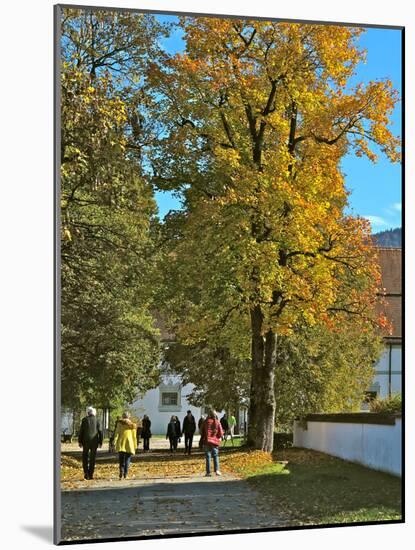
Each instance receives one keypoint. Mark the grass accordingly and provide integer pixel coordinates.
(315, 488)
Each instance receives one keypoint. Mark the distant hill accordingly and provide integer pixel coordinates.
(389, 238)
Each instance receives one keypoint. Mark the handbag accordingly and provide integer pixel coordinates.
(214, 439)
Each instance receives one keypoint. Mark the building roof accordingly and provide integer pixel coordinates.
(390, 261)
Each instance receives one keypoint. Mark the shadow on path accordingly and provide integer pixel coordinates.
(165, 507)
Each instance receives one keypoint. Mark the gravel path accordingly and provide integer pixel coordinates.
(141, 508)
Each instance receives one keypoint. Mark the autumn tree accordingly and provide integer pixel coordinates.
(110, 347)
(257, 117)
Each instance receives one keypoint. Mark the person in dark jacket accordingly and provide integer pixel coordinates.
(139, 430)
(178, 428)
(173, 433)
(89, 439)
(225, 426)
(189, 428)
(146, 433)
(199, 425)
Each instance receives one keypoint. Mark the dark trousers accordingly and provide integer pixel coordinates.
(173, 443)
(146, 443)
(188, 441)
(88, 460)
(124, 460)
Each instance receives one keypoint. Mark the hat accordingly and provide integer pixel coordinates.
(91, 411)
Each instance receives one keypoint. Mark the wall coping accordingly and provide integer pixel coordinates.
(353, 418)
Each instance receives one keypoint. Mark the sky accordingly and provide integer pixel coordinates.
(375, 188)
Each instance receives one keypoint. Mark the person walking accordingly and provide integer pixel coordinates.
(139, 430)
(189, 428)
(212, 433)
(232, 424)
(112, 437)
(199, 425)
(89, 439)
(173, 433)
(178, 429)
(146, 433)
(125, 442)
(225, 426)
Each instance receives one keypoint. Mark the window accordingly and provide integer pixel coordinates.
(169, 399)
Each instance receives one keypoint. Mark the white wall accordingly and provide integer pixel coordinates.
(373, 445)
(67, 422)
(149, 404)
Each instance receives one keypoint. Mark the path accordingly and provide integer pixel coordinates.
(175, 505)
(157, 443)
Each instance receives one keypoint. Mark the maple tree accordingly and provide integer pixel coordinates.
(257, 116)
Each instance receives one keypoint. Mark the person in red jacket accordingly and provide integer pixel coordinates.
(211, 434)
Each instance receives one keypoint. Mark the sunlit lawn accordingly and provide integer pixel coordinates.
(315, 488)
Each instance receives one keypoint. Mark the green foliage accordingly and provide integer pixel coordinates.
(392, 404)
(220, 380)
(324, 371)
(110, 348)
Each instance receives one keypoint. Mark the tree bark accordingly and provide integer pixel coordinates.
(262, 398)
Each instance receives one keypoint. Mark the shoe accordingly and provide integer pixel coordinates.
(218, 473)
(86, 477)
(208, 475)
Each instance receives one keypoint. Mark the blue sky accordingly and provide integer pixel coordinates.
(375, 189)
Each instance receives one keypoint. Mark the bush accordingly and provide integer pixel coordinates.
(283, 440)
(392, 404)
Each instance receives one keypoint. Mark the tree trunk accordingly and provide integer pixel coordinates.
(262, 398)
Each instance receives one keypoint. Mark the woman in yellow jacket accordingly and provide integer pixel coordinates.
(125, 442)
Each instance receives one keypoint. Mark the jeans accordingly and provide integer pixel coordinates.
(88, 460)
(146, 443)
(173, 443)
(212, 451)
(188, 441)
(124, 460)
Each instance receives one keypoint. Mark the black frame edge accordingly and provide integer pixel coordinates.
(56, 274)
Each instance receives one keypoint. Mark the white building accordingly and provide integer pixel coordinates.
(159, 404)
(388, 377)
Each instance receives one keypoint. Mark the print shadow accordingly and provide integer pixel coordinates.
(43, 532)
